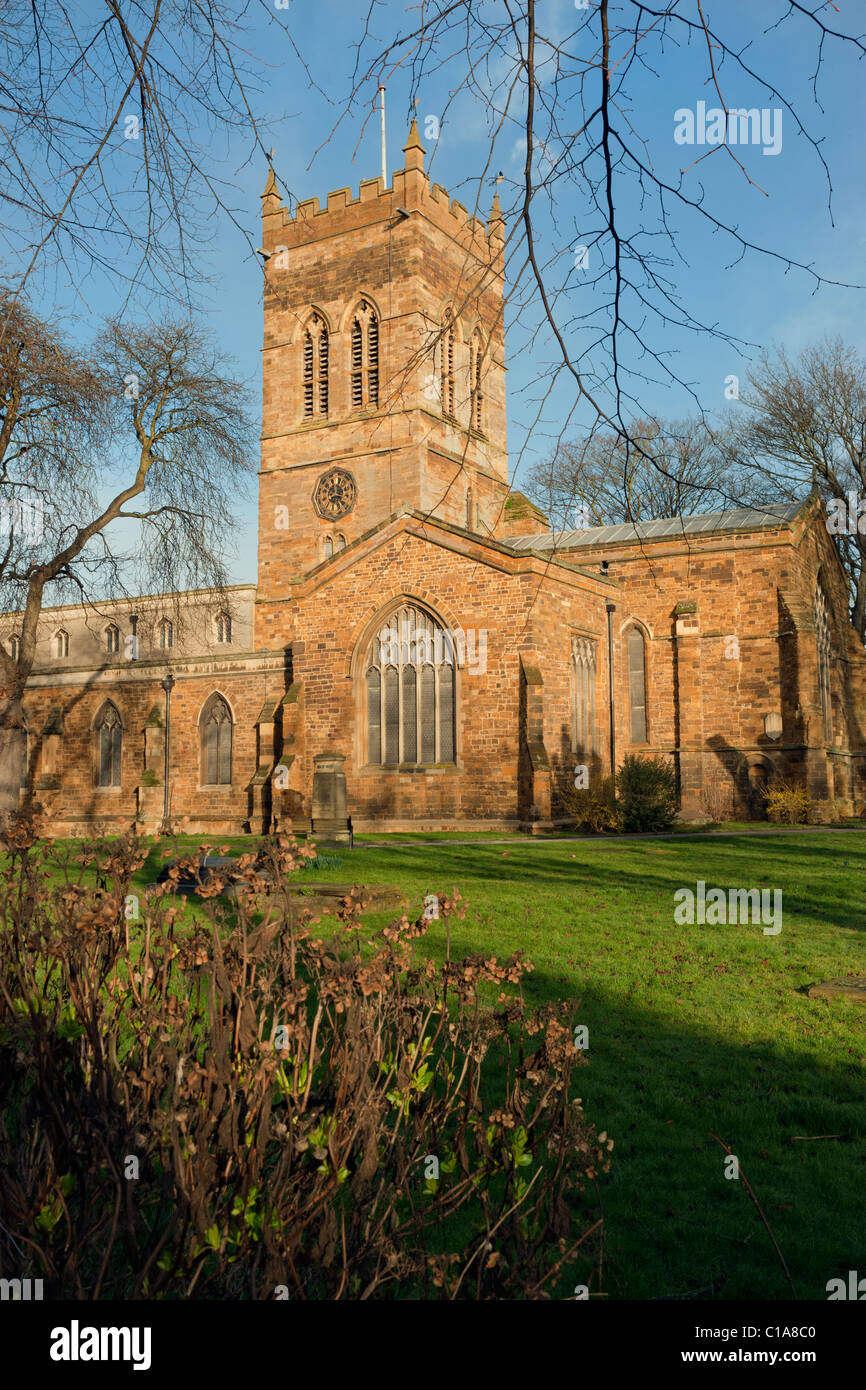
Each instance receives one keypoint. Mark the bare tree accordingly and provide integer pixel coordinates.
(596, 213)
(109, 113)
(662, 469)
(806, 430)
(150, 428)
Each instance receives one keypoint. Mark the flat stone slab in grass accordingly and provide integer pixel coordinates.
(327, 897)
(848, 986)
(318, 897)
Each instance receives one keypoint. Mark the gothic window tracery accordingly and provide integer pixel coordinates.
(215, 727)
(411, 691)
(583, 665)
(109, 746)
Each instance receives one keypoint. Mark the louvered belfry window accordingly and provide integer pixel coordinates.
(216, 743)
(410, 687)
(316, 368)
(476, 359)
(583, 696)
(447, 384)
(109, 741)
(637, 685)
(825, 645)
(365, 357)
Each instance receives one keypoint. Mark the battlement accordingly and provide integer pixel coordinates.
(410, 191)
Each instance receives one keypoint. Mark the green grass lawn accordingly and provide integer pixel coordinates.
(693, 1030)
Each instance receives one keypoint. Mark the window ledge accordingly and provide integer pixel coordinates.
(215, 787)
(422, 768)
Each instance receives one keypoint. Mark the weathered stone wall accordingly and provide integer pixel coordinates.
(63, 757)
(496, 599)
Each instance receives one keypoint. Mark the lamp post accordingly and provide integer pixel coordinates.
(167, 685)
(611, 609)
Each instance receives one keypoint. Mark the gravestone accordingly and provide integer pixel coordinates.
(329, 798)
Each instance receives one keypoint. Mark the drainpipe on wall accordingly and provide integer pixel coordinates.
(167, 685)
(611, 609)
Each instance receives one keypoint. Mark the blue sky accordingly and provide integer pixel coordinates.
(753, 299)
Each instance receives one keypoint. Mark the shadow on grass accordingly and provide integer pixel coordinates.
(675, 1226)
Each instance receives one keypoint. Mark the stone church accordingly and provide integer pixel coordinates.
(414, 623)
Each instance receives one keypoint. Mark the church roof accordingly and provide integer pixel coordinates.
(775, 514)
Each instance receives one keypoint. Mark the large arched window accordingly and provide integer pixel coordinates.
(410, 691)
(365, 357)
(583, 696)
(316, 368)
(824, 639)
(447, 365)
(476, 358)
(215, 726)
(109, 746)
(636, 648)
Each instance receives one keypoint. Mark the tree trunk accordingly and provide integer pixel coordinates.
(13, 754)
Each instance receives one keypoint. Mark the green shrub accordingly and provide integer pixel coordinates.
(593, 808)
(647, 788)
(788, 803)
(312, 1115)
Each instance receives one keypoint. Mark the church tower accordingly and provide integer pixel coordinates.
(383, 368)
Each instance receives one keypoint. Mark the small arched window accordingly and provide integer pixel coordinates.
(15, 646)
(223, 628)
(316, 368)
(112, 639)
(476, 359)
(447, 365)
(216, 743)
(365, 357)
(409, 680)
(109, 746)
(328, 545)
(469, 509)
(61, 643)
(824, 640)
(637, 685)
(166, 634)
(341, 542)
